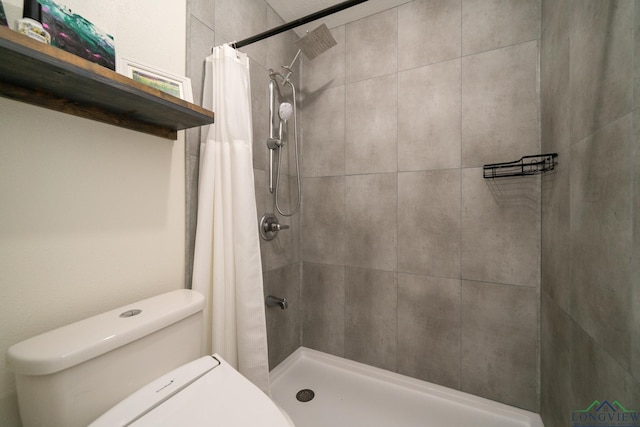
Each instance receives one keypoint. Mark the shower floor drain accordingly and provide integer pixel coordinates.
(305, 395)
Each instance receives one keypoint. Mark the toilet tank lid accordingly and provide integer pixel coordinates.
(83, 340)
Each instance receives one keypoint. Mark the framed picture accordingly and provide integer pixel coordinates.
(175, 85)
(75, 34)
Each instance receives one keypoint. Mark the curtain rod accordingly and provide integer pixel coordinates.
(296, 23)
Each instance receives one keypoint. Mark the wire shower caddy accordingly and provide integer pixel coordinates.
(527, 165)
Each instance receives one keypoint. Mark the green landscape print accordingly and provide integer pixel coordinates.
(167, 86)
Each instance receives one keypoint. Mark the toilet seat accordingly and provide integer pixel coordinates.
(205, 392)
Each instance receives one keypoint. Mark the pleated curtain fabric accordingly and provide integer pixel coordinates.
(227, 266)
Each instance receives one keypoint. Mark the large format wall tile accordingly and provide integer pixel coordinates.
(281, 48)
(259, 115)
(324, 220)
(429, 329)
(429, 117)
(285, 248)
(283, 326)
(555, 254)
(372, 46)
(601, 63)
(323, 132)
(491, 24)
(323, 304)
(287, 161)
(500, 342)
(596, 203)
(237, 19)
(549, 10)
(372, 126)
(260, 182)
(555, 364)
(201, 40)
(371, 221)
(601, 236)
(204, 10)
(371, 317)
(500, 108)
(429, 222)
(500, 235)
(595, 373)
(434, 26)
(554, 81)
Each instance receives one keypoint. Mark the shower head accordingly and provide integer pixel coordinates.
(312, 44)
(285, 111)
(316, 42)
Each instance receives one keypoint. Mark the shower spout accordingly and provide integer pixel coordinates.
(272, 301)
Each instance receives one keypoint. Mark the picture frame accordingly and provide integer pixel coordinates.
(173, 84)
(75, 33)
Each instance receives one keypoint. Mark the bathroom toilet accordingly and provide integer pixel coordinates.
(140, 364)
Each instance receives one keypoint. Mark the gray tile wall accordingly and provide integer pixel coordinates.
(411, 260)
(590, 326)
(211, 23)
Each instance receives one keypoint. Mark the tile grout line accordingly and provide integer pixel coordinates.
(397, 192)
(460, 211)
(344, 199)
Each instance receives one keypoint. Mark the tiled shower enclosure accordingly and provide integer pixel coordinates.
(404, 257)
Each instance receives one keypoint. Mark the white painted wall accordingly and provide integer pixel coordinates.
(91, 215)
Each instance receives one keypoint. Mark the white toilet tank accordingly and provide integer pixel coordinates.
(70, 376)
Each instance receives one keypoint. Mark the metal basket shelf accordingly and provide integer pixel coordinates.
(527, 165)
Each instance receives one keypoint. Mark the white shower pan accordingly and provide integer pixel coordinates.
(352, 394)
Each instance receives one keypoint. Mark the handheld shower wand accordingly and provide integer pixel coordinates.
(284, 113)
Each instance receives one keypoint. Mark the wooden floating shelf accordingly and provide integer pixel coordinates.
(49, 77)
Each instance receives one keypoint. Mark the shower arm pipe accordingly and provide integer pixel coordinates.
(297, 22)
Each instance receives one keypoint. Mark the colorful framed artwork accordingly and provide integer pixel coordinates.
(75, 34)
(170, 83)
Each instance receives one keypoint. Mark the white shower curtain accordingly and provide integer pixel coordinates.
(227, 267)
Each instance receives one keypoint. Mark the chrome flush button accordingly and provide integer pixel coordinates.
(130, 313)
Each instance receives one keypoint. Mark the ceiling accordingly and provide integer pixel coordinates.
(290, 10)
